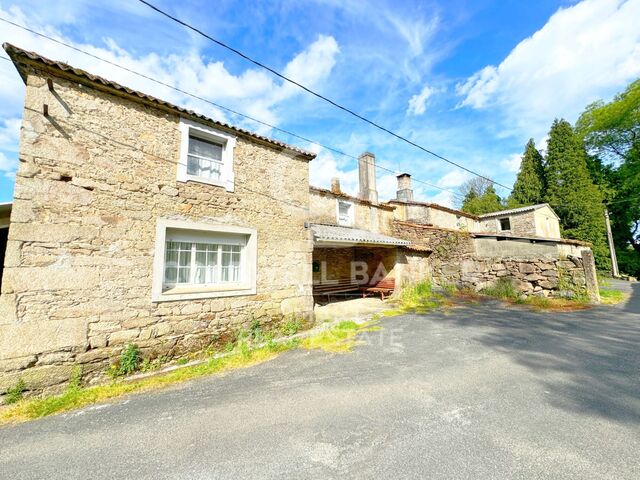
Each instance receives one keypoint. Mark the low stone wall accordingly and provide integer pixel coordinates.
(542, 276)
(536, 269)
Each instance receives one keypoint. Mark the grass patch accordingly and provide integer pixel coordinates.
(418, 298)
(240, 354)
(14, 394)
(611, 297)
(338, 339)
(504, 289)
(75, 396)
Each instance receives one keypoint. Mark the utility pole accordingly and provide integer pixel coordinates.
(614, 260)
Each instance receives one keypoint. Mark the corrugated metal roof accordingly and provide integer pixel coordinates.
(15, 52)
(335, 234)
(528, 208)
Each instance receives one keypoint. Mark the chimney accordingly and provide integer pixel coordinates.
(335, 185)
(367, 170)
(404, 192)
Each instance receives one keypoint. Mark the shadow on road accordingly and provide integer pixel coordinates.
(588, 361)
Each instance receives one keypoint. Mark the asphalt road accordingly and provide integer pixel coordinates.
(475, 393)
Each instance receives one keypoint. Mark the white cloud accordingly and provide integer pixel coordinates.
(10, 133)
(443, 198)
(418, 103)
(584, 52)
(455, 178)
(8, 165)
(512, 163)
(252, 91)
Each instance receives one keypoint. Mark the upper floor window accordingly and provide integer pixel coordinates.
(505, 224)
(206, 155)
(345, 213)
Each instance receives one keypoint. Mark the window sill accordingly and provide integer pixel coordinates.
(194, 293)
(215, 183)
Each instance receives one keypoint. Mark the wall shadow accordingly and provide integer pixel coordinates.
(588, 361)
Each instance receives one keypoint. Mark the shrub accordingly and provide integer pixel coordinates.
(418, 297)
(128, 363)
(503, 288)
(14, 394)
(291, 326)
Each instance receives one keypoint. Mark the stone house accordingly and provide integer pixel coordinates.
(534, 220)
(135, 220)
(353, 237)
(138, 221)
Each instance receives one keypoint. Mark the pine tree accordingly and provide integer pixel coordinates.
(571, 192)
(529, 186)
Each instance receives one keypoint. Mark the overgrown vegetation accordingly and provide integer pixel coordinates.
(291, 326)
(128, 362)
(14, 394)
(503, 288)
(418, 298)
(611, 297)
(76, 396)
(338, 339)
(250, 347)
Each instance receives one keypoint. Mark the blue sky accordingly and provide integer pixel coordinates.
(470, 80)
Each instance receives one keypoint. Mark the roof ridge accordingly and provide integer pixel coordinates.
(15, 52)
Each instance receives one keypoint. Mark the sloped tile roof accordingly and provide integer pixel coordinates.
(528, 208)
(18, 54)
(333, 233)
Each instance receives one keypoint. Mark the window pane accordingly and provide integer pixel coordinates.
(193, 165)
(170, 275)
(203, 148)
(206, 261)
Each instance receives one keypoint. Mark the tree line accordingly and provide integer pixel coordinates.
(585, 168)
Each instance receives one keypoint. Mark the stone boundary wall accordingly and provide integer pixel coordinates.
(454, 261)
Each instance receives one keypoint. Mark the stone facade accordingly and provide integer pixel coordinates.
(94, 178)
(539, 221)
(458, 258)
(367, 216)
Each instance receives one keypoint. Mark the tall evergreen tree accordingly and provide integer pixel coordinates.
(571, 191)
(529, 186)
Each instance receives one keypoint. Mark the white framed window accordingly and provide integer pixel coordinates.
(199, 260)
(345, 213)
(504, 224)
(206, 155)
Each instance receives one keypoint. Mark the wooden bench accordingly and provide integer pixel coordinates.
(386, 286)
(339, 285)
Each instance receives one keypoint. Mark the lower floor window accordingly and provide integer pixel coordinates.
(200, 260)
(199, 263)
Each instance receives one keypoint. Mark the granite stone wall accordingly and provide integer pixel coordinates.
(94, 178)
(455, 261)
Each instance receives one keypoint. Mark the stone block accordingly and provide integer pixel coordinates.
(53, 277)
(122, 336)
(526, 268)
(37, 378)
(533, 277)
(27, 338)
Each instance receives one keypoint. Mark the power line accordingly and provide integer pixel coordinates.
(217, 105)
(318, 95)
(623, 200)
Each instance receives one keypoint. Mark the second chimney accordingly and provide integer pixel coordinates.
(367, 171)
(404, 192)
(335, 185)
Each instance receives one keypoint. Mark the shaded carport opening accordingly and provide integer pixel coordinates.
(347, 260)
